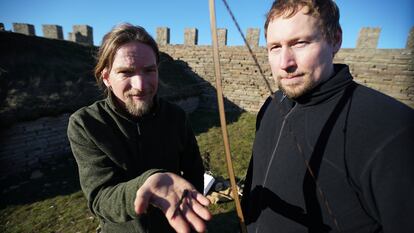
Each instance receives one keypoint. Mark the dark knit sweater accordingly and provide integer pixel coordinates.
(116, 154)
(360, 148)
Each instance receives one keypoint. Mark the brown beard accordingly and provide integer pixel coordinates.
(295, 91)
(138, 109)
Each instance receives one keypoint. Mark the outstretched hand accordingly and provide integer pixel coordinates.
(183, 206)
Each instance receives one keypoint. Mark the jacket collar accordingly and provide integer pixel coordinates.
(328, 89)
(114, 105)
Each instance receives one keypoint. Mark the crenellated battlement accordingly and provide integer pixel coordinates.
(368, 37)
(82, 34)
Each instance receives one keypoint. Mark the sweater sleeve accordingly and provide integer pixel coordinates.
(191, 162)
(108, 194)
(388, 183)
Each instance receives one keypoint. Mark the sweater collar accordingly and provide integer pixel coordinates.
(328, 89)
(114, 105)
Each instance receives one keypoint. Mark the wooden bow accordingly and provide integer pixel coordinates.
(220, 101)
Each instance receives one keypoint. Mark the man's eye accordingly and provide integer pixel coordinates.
(275, 48)
(300, 44)
(125, 72)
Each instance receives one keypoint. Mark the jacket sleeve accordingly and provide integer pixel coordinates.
(109, 195)
(388, 183)
(191, 162)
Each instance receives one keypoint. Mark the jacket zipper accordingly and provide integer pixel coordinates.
(139, 146)
(273, 154)
(277, 145)
(138, 129)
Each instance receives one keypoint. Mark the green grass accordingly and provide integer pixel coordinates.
(241, 134)
(54, 203)
(66, 213)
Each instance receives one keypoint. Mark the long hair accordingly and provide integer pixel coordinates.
(118, 36)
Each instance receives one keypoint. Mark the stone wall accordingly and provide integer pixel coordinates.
(241, 82)
(29, 145)
(390, 71)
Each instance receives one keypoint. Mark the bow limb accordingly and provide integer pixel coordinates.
(220, 101)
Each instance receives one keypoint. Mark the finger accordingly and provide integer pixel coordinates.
(178, 222)
(142, 200)
(201, 211)
(192, 218)
(200, 198)
(199, 204)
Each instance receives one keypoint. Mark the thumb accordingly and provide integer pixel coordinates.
(142, 200)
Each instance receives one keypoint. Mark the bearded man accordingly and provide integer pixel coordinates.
(138, 159)
(330, 155)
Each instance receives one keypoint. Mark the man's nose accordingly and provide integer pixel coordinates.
(287, 59)
(138, 82)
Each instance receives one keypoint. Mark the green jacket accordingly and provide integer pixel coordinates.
(115, 155)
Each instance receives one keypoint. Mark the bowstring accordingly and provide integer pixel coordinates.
(248, 47)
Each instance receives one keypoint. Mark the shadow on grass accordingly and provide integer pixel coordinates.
(73, 76)
(59, 177)
(224, 223)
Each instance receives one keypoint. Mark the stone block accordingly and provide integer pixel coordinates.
(24, 28)
(82, 34)
(222, 36)
(190, 36)
(252, 37)
(163, 36)
(52, 31)
(368, 38)
(410, 40)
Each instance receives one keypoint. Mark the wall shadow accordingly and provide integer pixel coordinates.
(43, 77)
(58, 177)
(179, 81)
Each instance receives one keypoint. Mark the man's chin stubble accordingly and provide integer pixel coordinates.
(140, 109)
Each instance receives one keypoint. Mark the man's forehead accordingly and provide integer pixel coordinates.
(281, 26)
(135, 52)
(135, 48)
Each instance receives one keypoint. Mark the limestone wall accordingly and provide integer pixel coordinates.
(28, 145)
(34, 145)
(390, 71)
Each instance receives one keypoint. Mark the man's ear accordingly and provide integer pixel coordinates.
(338, 41)
(105, 77)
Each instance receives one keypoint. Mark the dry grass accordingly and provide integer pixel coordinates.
(54, 203)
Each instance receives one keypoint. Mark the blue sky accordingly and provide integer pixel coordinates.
(394, 17)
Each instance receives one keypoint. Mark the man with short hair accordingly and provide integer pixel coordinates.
(330, 155)
(135, 151)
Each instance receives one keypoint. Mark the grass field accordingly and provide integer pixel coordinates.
(54, 202)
